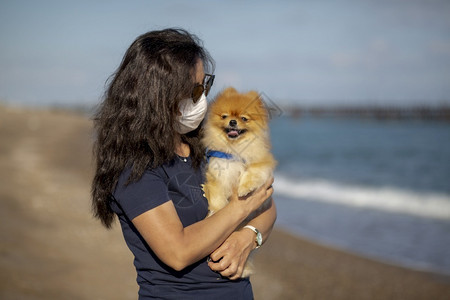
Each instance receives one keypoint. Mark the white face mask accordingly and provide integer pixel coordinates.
(192, 114)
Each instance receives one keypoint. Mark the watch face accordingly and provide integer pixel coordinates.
(259, 239)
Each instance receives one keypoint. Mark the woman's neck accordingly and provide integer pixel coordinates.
(182, 149)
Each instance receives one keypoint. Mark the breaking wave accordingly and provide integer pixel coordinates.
(389, 199)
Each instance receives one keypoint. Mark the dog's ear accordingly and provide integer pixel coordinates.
(255, 98)
(254, 95)
(229, 91)
(258, 104)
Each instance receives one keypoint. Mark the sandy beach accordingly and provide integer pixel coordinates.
(52, 248)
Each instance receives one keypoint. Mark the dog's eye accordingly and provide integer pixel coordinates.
(224, 117)
(244, 119)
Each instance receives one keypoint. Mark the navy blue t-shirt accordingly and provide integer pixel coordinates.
(178, 182)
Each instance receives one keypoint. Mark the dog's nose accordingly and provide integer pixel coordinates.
(233, 123)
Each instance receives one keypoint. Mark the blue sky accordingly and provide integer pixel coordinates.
(308, 52)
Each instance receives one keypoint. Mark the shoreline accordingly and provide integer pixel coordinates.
(397, 239)
(323, 272)
(379, 259)
(52, 248)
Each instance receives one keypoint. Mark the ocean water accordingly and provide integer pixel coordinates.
(376, 188)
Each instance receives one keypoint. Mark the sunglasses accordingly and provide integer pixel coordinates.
(198, 90)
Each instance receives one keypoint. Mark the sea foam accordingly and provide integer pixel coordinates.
(390, 199)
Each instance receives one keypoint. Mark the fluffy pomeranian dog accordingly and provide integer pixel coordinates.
(236, 136)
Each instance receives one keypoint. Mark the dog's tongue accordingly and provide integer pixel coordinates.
(233, 133)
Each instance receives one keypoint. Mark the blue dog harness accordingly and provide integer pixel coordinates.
(220, 154)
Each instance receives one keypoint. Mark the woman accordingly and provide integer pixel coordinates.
(148, 173)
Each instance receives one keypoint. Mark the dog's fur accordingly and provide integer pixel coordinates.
(237, 124)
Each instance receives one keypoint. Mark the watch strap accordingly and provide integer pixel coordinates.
(258, 238)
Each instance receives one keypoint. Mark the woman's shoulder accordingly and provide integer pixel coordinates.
(148, 174)
(138, 196)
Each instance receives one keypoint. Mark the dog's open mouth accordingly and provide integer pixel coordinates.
(233, 133)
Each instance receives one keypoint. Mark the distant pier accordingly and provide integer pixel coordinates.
(379, 113)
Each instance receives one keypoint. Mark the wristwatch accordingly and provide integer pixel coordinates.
(258, 238)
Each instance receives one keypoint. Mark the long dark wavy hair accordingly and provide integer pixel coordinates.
(135, 122)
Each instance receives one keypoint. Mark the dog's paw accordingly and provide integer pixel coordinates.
(205, 191)
(251, 180)
(244, 190)
(247, 184)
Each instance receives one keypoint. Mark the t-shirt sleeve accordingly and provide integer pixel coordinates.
(141, 196)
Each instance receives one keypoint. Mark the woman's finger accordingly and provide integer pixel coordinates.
(230, 272)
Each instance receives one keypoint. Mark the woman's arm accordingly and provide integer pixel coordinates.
(230, 258)
(264, 222)
(179, 247)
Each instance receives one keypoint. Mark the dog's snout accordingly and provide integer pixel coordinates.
(233, 123)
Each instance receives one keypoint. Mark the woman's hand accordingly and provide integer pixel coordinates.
(230, 258)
